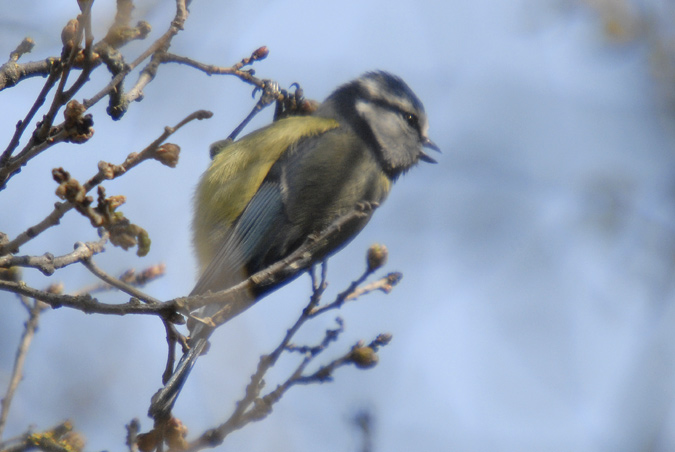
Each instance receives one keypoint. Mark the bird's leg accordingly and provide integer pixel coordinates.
(270, 93)
(294, 104)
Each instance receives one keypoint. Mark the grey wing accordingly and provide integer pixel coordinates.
(250, 233)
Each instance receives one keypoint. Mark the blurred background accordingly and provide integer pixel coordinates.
(536, 310)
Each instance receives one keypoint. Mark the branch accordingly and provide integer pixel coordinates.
(48, 264)
(265, 280)
(376, 257)
(119, 284)
(61, 438)
(54, 74)
(210, 69)
(12, 73)
(363, 420)
(46, 135)
(359, 355)
(107, 171)
(276, 274)
(252, 407)
(69, 53)
(384, 284)
(88, 304)
(161, 45)
(22, 350)
(129, 277)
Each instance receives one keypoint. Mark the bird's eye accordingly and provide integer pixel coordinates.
(412, 120)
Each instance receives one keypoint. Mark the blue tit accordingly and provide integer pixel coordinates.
(265, 194)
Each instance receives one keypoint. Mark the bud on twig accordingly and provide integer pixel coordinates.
(167, 154)
(148, 442)
(55, 288)
(73, 113)
(381, 340)
(74, 441)
(377, 256)
(260, 53)
(79, 128)
(69, 33)
(175, 434)
(364, 357)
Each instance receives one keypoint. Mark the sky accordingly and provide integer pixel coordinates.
(536, 307)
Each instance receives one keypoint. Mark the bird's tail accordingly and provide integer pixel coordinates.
(164, 399)
(225, 271)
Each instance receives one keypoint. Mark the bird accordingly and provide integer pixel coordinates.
(265, 194)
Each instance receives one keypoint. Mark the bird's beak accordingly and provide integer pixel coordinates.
(427, 143)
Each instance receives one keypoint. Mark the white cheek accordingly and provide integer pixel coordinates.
(364, 109)
(383, 120)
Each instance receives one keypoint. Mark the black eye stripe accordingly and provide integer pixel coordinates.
(412, 120)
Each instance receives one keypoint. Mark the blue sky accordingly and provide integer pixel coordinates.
(536, 309)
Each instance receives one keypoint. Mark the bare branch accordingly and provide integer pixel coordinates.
(87, 303)
(132, 431)
(161, 45)
(11, 72)
(48, 264)
(21, 352)
(106, 171)
(70, 52)
(46, 136)
(131, 277)
(61, 438)
(363, 420)
(54, 71)
(210, 69)
(26, 46)
(254, 408)
(276, 274)
(384, 284)
(119, 284)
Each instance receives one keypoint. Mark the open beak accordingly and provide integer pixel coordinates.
(427, 143)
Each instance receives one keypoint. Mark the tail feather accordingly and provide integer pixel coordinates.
(164, 399)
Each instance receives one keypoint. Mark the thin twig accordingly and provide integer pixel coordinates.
(210, 69)
(104, 173)
(132, 432)
(119, 284)
(276, 274)
(11, 72)
(20, 358)
(163, 42)
(45, 136)
(252, 407)
(354, 291)
(131, 277)
(48, 264)
(87, 303)
(260, 407)
(264, 280)
(54, 74)
(60, 98)
(363, 420)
